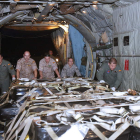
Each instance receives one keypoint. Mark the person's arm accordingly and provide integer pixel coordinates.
(58, 75)
(64, 72)
(18, 67)
(41, 69)
(119, 78)
(41, 74)
(35, 74)
(11, 70)
(100, 72)
(77, 71)
(18, 74)
(55, 68)
(34, 67)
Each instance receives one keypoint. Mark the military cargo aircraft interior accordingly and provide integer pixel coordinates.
(69, 70)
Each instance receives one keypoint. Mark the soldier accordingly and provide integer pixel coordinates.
(51, 55)
(26, 67)
(69, 69)
(5, 69)
(110, 73)
(47, 66)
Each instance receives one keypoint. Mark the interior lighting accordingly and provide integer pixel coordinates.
(95, 2)
(57, 59)
(95, 6)
(65, 27)
(51, 4)
(84, 12)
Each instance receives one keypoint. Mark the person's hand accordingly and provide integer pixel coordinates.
(102, 81)
(113, 88)
(13, 78)
(41, 77)
(59, 76)
(34, 78)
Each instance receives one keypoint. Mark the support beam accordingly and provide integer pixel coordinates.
(11, 17)
(45, 11)
(39, 2)
(82, 28)
(0, 41)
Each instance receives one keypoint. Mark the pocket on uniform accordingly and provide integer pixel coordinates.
(47, 69)
(4, 68)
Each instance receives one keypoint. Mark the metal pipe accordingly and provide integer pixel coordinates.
(10, 17)
(102, 47)
(0, 41)
(122, 56)
(94, 65)
(45, 11)
(100, 1)
(82, 28)
(22, 7)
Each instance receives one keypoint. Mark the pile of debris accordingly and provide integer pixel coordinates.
(74, 108)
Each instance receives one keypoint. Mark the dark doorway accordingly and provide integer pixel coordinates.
(15, 43)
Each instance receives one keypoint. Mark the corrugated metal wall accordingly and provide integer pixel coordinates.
(127, 24)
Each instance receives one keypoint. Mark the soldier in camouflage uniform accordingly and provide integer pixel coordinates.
(47, 66)
(26, 67)
(51, 55)
(70, 69)
(5, 69)
(110, 73)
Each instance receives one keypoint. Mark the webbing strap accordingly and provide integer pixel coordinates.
(48, 90)
(27, 127)
(119, 131)
(16, 125)
(67, 105)
(97, 132)
(30, 92)
(18, 130)
(51, 133)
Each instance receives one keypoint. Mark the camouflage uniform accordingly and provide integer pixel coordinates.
(53, 57)
(5, 69)
(47, 68)
(26, 68)
(68, 71)
(112, 77)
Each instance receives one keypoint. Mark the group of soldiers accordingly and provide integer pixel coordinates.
(26, 68)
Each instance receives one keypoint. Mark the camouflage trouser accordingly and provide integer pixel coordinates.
(4, 84)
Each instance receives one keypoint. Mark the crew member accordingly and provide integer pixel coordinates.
(5, 69)
(47, 66)
(70, 69)
(110, 73)
(26, 67)
(51, 55)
